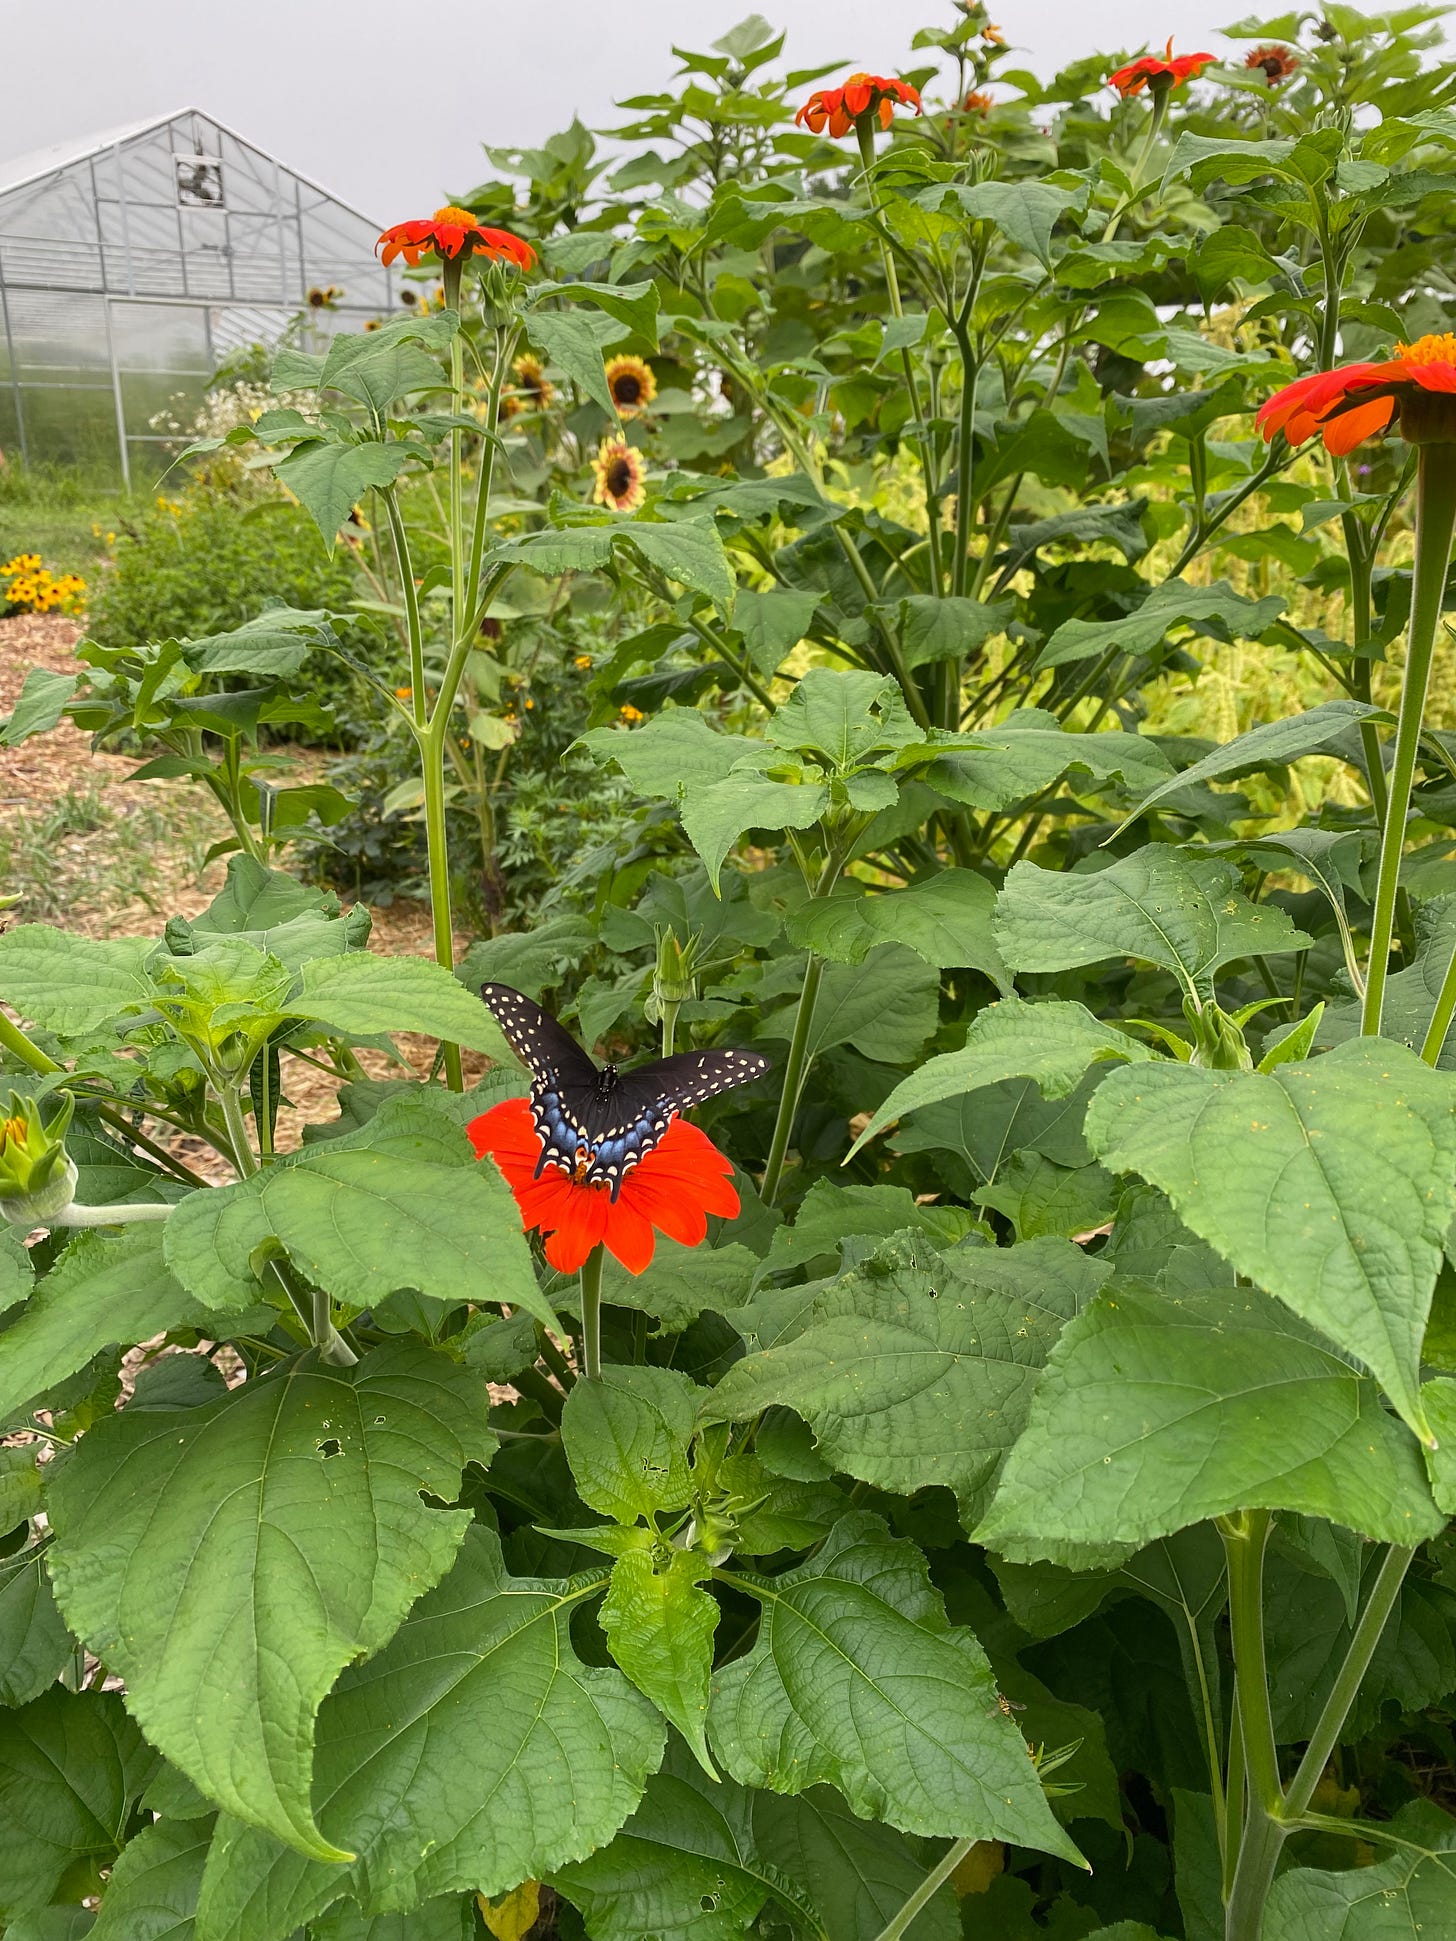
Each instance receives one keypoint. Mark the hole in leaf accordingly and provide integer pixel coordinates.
(708, 1902)
(329, 1446)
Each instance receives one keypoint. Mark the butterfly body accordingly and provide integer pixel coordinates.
(597, 1123)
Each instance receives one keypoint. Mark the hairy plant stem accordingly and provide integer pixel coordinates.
(1435, 520)
(591, 1315)
(796, 1069)
(76, 1215)
(899, 1923)
(1245, 1538)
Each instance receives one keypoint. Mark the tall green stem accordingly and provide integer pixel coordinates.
(940, 1873)
(591, 1315)
(1361, 1649)
(965, 461)
(864, 130)
(795, 1072)
(237, 1130)
(1435, 520)
(437, 843)
(1245, 1538)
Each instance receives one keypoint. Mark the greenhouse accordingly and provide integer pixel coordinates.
(133, 261)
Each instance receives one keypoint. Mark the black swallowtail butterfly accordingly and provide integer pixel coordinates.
(596, 1123)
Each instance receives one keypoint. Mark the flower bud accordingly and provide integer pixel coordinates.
(37, 1178)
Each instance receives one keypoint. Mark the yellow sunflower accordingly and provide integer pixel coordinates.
(533, 391)
(632, 385)
(620, 474)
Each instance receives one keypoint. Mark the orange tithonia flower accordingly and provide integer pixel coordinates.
(620, 474)
(632, 385)
(1278, 63)
(978, 102)
(671, 1189)
(453, 232)
(838, 109)
(1158, 71)
(1358, 401)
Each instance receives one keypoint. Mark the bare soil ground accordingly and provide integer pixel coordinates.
(88, 850)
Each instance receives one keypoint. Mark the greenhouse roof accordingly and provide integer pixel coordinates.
(18, 171)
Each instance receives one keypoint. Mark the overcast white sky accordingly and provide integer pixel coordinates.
(387, 102)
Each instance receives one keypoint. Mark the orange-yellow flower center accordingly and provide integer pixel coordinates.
(1429, 350)
(12, 1131)
(459, 218)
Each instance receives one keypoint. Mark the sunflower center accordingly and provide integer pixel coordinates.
(1429, 350)
(619, 477)
(629, 388)
(456, 217)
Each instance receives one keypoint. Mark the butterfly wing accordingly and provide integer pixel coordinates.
(623, 1122)
(546, 1048)
(564, 1081)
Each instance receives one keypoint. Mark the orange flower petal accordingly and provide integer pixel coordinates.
(1344, 433)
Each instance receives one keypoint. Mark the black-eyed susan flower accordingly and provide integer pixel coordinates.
(620, 476)
(632, 385)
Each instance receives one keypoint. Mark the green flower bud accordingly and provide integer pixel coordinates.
(37, 1178)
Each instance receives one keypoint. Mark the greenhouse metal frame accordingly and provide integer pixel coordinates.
(132, 262)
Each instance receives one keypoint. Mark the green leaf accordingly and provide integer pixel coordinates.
(275, 913)
(361, 993)
(886, 1007)
(773, 623)
(1410, 1892)
(632, 304)
(295, 1540)
(685, 1867)
(1182, 912)
(579, 549)
(1154, 1413)
(1274, 743)
(34, 1641)
(683, 1282)
(109, 1286)
(715, 816)
(1025, 212)
(996, 768)
(692, 554)
(857, 1873)
(532, 961)
(1040, 1197)
(669, 752)
(1053, 1042)
(934, 629)
(447, 1918)
(402, 1202)
(626, 1437)
(660, 1623)
(330, 479)
(574, 340)
(946, 919)
(273, 644)
(830, 1215)
(151, 1894)
(17, 1277)
(1329, 1183)
(40, 705)
(72, 1768)
(473, 1752)
(906, 1725)
(847, 717)
(1216, 610)
(69, 983)
(912, 1375)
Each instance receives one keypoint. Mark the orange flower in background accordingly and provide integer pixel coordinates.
(1158, 71)
(453, 232)
(620, 476)
(1278, 63)
(838, 109)
(632, 385)
(1358, 401)
(978, 102)
(671, 1190)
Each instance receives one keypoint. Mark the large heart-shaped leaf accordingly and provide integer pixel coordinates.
(1331, 1184)
(151, 1894)
(294, 1540)
(905, 1722)
(1153, 1414)
(402, 1202)
(475, 1751)
(916, 1374)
